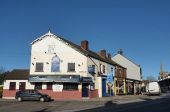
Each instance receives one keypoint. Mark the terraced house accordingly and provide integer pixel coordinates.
(131, 83)
(65, 70)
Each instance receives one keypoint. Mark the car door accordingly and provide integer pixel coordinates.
(26, 95)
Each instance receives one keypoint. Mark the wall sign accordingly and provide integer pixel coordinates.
(57, 87)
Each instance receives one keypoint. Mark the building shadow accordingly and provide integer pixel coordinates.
(125, 107)
(42, 110)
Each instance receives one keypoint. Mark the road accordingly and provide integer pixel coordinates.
(109, 104)
(158, 105)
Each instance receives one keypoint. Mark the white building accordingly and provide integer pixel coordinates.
(65, 70)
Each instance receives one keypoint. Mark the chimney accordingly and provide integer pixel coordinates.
(109, 56)
(120, 51)
(103, 53)
(85, 44)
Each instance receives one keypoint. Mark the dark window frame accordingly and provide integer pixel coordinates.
(49, 85)
(71, 67)
(38, 85)
(104, 69)
(38, 68)
(70, 86)
(22, 85)
(12, 86)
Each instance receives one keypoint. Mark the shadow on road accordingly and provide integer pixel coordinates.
(42, 110)
(147, 105)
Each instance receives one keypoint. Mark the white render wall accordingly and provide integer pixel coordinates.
(98, 80)
(28, 85)
(67, 54)
(133, 70)
(63, 51)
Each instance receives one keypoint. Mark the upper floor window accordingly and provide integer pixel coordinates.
(55, 64)
(100, 68)
(39, 67)
(71, 67)
(104, 69)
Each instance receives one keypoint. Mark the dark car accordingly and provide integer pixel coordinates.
(32, 95)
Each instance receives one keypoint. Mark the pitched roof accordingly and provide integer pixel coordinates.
(79, 48)
(127, 59)
(18, 74)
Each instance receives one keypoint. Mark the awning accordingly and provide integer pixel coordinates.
(55, 78)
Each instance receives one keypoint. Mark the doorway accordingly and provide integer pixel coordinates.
(85, 90)
(104, 87)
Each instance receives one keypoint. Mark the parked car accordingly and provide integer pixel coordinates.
(32, 95)
(153, 88)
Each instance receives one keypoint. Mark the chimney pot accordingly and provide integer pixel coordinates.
(109, 56)
(103, 53)
(120, 51)
(85, 44)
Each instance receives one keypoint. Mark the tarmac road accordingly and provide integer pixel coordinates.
(157, 105)
(109, 104)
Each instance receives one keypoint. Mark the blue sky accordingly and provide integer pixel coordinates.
(140, 27)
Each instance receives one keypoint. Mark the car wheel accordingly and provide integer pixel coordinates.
(19, 99)
(42, 99)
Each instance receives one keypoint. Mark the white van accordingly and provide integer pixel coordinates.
(153, 88)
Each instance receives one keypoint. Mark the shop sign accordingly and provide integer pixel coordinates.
(87, 80)
(91, 69)
(110, 78)
(57, 88)
(56, 78)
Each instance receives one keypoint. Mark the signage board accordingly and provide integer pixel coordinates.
(110, 78)
(57, 87)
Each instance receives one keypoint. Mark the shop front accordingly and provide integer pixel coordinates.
(63, 86)
(58, 86)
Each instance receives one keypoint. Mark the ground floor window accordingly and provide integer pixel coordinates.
(22, 85)
(38, 86)
(70, 86)
(49, 85)
(12, 86)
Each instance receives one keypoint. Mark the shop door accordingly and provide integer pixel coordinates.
(103, 87)
(85, 90)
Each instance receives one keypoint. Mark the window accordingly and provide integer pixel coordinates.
(70, 86)
(71, 67)
(21, 85)
(12, 86)
(38, 86)
(100, 67)
(39, 67)
(49, 85)
(55, 64)
(103, 68)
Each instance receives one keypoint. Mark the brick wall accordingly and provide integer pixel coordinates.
(63, 95)
(9, 93)
(94, 93)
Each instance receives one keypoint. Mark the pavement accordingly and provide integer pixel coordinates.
(95, 104)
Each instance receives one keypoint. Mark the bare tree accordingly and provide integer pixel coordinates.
(151, 78)
(2, 74)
